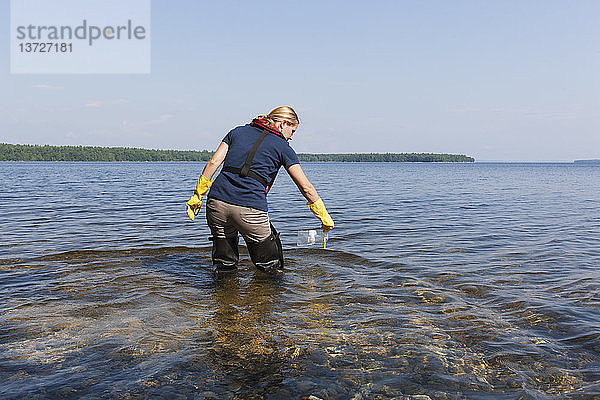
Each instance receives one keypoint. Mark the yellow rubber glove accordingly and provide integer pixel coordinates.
(318, 208)
(194, 203)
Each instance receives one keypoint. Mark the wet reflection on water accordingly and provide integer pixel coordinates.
(146, 323)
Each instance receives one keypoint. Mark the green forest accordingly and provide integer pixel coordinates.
(25, 152)
(387, 157)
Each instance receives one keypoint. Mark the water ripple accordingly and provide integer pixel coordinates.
(450, 282)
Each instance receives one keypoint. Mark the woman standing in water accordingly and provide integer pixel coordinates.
(237, 202)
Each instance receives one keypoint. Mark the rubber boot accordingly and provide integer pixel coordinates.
(267, 255)
(225, 254)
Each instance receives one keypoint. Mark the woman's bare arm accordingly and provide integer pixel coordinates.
(216, 160)
(304, 185)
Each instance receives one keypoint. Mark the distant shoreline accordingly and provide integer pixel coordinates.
(25, 152)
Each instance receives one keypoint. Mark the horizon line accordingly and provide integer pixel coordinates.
(316, 153)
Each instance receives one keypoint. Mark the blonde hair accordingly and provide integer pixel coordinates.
(281, 113)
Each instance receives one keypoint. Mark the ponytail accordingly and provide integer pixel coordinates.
(281, 113)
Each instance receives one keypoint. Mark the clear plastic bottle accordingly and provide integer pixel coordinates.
(310, 237)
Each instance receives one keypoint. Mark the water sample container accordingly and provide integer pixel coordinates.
(310, 237)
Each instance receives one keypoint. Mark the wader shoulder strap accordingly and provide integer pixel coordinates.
(245, 170)
(246, 167)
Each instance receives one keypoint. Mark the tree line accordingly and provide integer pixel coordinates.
(26, 152)
(387, 157)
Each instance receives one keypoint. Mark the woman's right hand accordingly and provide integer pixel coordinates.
(195, 202)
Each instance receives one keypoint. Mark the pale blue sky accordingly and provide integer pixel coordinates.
(496, 80)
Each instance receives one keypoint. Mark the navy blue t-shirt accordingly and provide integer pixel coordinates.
(273, 152)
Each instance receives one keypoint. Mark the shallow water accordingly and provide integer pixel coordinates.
(450, 281)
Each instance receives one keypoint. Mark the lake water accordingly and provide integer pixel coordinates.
(440, 281)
